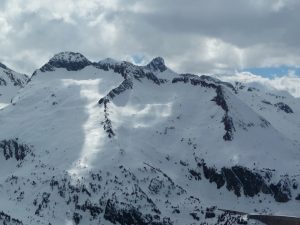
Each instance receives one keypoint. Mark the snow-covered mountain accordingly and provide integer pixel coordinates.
(110, 142)
(10, 83)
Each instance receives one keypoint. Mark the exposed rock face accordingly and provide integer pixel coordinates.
(216, 81)
(107, 126)
(17, 81)
(125, 85)
(8, 76)
(12, 149)
(242, 180)
(282, 190)
(284, 107)
(266, 102)
(128, 70)
(157, 64)
(212, 175)
(123, 203)
(3, 66)
(229, 127)
(12, 78)
(2, 82)
(194, 80)
(227, 120)
(126, 214)
(7, 219)
(281, 106)
(68, 60)
(220, 99)
(252, 182)
(107, 65)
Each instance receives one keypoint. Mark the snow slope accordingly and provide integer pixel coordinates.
(279, 107)
(10, 83)
(109, 142)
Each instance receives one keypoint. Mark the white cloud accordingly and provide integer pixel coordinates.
(200, 36)
(289, 83)
(4, 29)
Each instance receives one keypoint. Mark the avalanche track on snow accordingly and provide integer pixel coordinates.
(110, 142)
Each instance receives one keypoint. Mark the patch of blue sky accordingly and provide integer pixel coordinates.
(139, 59)
(273, 71)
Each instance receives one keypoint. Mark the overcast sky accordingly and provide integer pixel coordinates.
(201, 36)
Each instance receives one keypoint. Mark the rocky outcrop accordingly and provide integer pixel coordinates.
(128, 70)
(266, 102)
(282, 190)
(242, 180)
(157, 64)
(3, 66)
(125, 85)
(193, 80)
(18, 81)
(283, 107)
(219, 99)
(126, 214)
(219, 82)
(13, 149)
(103, 196)
(8, 76)
(119, 67)
(227, 120)
(3, 82)
(7, 219)
(212, 175)
(70, 61)
(107, 126)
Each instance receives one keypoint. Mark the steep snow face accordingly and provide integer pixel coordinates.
(10, 83)
(279, 107)
(115, 143)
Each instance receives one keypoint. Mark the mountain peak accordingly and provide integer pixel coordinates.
(69, 56)
(157, 64)
(72, 61)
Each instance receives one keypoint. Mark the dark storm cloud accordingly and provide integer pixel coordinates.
(242, 23)
(199, 36)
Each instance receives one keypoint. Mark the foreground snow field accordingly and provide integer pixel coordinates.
(110, 142)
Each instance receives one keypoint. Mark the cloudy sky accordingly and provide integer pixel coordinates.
(201, 36)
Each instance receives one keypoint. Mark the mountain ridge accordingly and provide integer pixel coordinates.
(10, 83)
(110, 142)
